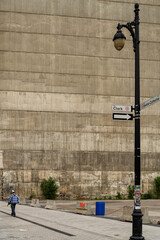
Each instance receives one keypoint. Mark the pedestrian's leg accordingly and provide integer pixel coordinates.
(13, 209)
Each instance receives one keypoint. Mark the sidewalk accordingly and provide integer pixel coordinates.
(113, 208)
(39, 223)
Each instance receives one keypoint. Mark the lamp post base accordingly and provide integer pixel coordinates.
(137, 225)
(137, 238)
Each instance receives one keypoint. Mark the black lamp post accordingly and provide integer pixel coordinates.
(119, 41)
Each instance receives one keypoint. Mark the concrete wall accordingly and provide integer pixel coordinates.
(59, 77)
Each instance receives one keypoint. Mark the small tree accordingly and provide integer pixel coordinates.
(157, 186)
(49, 188)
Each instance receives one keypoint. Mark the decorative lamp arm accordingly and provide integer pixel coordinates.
(130, 26)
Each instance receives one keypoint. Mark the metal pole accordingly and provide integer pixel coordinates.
(133, 28)
(137, 214)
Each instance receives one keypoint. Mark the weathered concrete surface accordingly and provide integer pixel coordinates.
(1, 184)
(59, 77)
(127, 214)
(84, 208)
(61, 223)
(1, 174)
(22, 201)
(50, 204)
(35, 203)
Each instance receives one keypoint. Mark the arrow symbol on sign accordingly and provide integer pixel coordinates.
(127, 116)
(122, 116)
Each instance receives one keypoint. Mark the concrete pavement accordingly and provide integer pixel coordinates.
(113, 208)
(39, 223)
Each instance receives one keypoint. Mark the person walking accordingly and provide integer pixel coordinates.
(13, 200)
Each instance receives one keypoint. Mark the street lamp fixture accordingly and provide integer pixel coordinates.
(119, 40)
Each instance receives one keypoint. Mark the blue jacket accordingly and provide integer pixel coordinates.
(13, 199)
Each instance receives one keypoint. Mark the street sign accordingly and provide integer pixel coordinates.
(122, 116)
(150, 102)
(121, 108)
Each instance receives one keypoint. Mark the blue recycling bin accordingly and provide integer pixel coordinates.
(100, 208)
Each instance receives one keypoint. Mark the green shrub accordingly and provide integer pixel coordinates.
(157, 186)
(119, 196)
(33, 195)
(49, 188)
(130, 191)
(148, 195)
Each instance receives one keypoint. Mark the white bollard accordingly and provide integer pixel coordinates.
(84, 208)
(35, 203)
(127, 214)
(50, 204)
(22, 201)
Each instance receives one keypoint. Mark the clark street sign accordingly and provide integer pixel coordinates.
(122, 116)
(121, 108)
(150, 102)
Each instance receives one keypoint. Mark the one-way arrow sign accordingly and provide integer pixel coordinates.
(122, 116)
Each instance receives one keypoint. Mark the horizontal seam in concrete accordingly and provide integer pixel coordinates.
(77, 55)
(141, 4)
(71, 93)
(101, 133)
(72, 74)
(57, 112)
(82, 152)
(78, 17)
(119, 169)
(86, 132)
(70, 35)
(130, 170)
